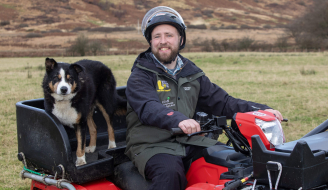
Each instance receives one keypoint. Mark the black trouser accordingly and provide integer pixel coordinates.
(167, 171)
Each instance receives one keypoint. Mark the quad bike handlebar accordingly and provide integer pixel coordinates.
(216, 126)
(211, 126)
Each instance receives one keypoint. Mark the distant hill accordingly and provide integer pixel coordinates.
(69, 14)
(42, 18)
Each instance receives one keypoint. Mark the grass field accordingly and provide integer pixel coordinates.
(293, 83)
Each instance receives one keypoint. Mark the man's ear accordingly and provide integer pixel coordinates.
(181, 40)
(50, 64)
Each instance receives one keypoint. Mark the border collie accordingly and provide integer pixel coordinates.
(71, 92)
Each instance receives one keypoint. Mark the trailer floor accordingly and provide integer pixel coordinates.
(92, 157)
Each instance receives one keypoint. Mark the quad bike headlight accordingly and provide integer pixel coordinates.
(272, 130)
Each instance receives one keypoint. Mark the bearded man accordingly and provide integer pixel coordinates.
(163, 92)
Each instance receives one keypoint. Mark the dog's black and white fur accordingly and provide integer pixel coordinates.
(71, 92)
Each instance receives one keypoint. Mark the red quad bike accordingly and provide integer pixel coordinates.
(259, 158)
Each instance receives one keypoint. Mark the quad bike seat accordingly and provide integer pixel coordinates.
(127, 177)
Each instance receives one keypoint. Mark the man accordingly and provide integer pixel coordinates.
(163, 92)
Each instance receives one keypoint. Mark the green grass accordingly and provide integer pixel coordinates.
(274, 79)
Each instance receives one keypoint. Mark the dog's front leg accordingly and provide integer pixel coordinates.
(80, 151)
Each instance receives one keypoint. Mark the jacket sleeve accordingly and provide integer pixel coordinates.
(142, 97)
(219, 102)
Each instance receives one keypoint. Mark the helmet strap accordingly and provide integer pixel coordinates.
(181, 39)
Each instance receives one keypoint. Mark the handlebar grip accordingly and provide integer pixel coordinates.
(176, 131)
(284, 120)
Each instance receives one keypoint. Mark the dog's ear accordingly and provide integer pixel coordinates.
(50, 64)
(77, 68)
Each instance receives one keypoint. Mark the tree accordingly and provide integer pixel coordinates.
(282, 43)
(244, 43)
(225, 45)
(316, 19)
(294, 28)
(80, 45)
(216, 45)
(95, 46)
(311, 30)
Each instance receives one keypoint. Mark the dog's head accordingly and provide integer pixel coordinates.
(61, 79)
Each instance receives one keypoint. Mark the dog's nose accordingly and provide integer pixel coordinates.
(63, 89)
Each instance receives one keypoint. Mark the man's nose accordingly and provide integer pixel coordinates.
(163, 40)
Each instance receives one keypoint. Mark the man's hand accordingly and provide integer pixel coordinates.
(276, 113)
(189, 126)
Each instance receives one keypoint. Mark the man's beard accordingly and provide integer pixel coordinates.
(166, 59)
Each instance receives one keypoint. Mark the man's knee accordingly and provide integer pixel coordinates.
(174, 170)
(166, 172)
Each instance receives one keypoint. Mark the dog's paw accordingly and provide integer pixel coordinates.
(80, 161)
(90, 149)
(111, 144)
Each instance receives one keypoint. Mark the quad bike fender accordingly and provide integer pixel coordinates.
(205, 186)
(94, 185)
(210, 173)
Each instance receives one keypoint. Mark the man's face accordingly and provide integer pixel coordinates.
(165, 42)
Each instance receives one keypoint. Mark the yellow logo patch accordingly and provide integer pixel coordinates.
(163, 86)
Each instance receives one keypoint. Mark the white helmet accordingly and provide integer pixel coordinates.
(163, 15)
